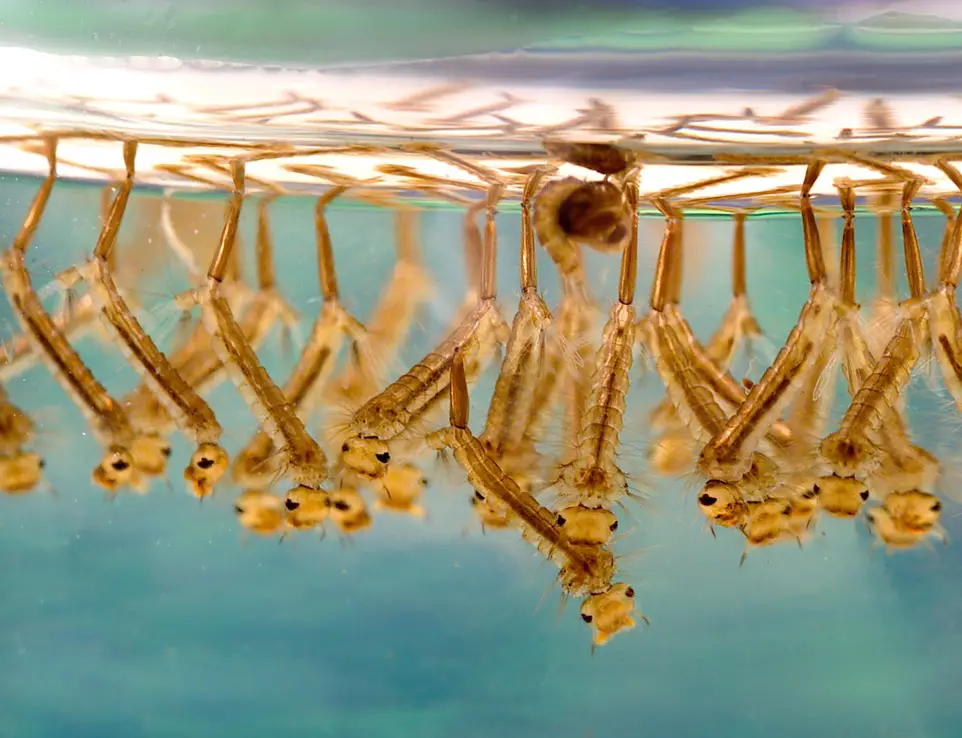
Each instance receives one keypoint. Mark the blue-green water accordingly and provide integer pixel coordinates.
(157, 616)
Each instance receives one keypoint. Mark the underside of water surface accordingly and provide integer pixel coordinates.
(499, 285)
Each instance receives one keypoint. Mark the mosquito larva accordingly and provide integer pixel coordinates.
(403, 403)
(106, 417)
(585, 569)
(593, 478)
(252, 466)
(193, 416)
(902, 463)
(738, 323)
(391, 320)
(303, 462)
(727, 455)
(851, 451)
(510, 410)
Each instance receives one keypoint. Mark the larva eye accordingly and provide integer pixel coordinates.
(561, 520)
(936, 506)
(586, 617)
(707, 500)
(120, 465)
(630, 592)
(863, 494)
(205, 463)
(341, 505)
(291, 504)
(613, 527)
(383, 457)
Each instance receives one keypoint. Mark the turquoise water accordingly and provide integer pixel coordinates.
(158, 616)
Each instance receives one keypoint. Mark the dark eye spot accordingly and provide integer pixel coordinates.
(613, 527)
(478, 496)
(863, 494)
(345, 448)
(42, 463)
(630, 592)
(816, 489)
(120, 465)
(341, 505)
(165, 451)
(205, 463)
(383, 457)
(587, 618)
(707, 500)
(809, 494)
(561, 520)
(238, 509)
(291, 504)
(936, 506)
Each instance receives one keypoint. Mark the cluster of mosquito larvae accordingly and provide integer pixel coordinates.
(757, 445)
(768, 462)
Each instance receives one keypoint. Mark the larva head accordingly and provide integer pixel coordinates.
(349, 511)
(207, 465)
(841, 497)
(672, 454)
(115, 470)
(769, 522)
(848, 455)
(490, 511)
(20, 473)
(595, 214)
(590, 525)
(722, 504)
(609, 613)
(803, 508)
(913, 511)
(260, 512)
(595, 576)
(401, 488)
(889, 532)
(150, 452)
(366, 457)
(16, 427)
(254, 466)
(306, 507)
